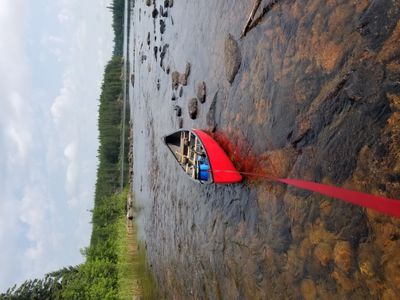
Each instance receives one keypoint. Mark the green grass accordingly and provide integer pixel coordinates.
(134, 277)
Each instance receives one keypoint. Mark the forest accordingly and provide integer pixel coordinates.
(105, 274)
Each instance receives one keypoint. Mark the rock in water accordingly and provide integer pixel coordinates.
(192, 106)
(148, 2)
(233, 58)
(178, 110)
(180, 122)
(133, 80)
(183, 78)
(168, 3)
(162, 26)
(175, 79)
(154, 13)
(211, 122)
(343, 255)
(187, 69)
(308, 289)
(201, 92)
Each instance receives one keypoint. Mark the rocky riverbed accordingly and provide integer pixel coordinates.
(312, 91)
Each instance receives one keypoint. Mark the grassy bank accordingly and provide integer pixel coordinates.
(134, 276)
(115, 266)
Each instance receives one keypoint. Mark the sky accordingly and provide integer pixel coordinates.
(52, 58)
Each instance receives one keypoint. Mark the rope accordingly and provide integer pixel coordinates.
(384, 205)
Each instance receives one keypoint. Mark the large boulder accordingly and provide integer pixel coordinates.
(201, 91)
(233, 58)
(192, 108)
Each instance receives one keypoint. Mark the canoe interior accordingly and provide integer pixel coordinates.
(189, 152)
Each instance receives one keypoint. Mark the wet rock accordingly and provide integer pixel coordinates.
(343, 280)
(168, 70)
(155, 52)
(192, 107)
(183, 79)
(175, 79)
(148, 2)
(187, 69)
(323, 253)
(348, 221)
(143, 58)
(168, 3)
(158, 84)
(162, 55)
(173, 98)
(308, 290)
(162, 26)
(201, 92)
(181, 92)
(389, 294)
(148, 39)
(211, 122)
(133, 80)
(367, 260)
(178, 110)
(180, 122)
(233, 58)
(154, 13)
(163, 13)
(343, 255)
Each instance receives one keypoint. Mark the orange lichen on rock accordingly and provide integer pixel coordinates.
(342, 280)
(328, 55)
(393, 67)
(323, 253)
(308, 290)
(391, 46)
(318, 234)
(343, 255)
(361, 5)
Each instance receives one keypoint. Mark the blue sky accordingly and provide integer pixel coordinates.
(52, 57)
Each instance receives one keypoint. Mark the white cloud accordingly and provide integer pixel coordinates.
(47, 172)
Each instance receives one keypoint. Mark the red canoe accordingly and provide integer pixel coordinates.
(201, 157)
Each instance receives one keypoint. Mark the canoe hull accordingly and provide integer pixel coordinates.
(223, 170)
(219, 167)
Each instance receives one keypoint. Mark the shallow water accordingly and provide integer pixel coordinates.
(317, 97)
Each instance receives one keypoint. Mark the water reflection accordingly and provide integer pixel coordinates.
(317, 97)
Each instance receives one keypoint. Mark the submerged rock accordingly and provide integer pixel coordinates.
(211, 122)
(201, 92)
(343, 255)
(192, 106)
(323, 253)
(233, 58)
(308, 289)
